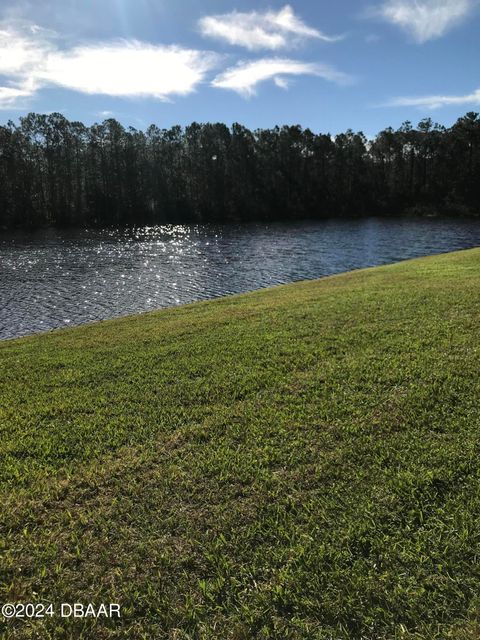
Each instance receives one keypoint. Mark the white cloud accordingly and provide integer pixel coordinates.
(435, 102)
(281, 83)
(245, 77)
(20, 55)
(19, 52)
(122, 68)
(128, 69)
(254, 30)
(10, 97)
(425, 19)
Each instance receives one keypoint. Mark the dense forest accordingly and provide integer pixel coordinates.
(56, 172)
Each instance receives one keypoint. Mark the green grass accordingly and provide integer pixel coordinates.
(294, 463)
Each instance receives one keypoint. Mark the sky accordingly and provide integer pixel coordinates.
(325, 65)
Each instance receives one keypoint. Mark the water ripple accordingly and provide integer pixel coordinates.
(54, 278)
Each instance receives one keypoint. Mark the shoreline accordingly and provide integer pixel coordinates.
(220, 297)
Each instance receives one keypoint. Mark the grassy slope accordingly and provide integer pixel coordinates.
(299, 462)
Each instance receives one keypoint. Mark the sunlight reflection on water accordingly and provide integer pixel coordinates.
(57, 278)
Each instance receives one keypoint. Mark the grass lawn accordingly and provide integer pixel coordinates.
(301, 462)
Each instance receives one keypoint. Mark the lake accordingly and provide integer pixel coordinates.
(54, 278)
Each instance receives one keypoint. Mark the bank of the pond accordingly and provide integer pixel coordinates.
(298, 462)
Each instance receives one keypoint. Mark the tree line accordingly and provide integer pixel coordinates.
(61, 173)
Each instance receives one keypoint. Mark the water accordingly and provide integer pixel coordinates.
(57, 278)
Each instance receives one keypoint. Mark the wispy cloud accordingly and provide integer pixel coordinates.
(254, 30)
(11, 97)
(425, 20)
(20, 56)
(435, 102)
(124, 68)
(245, 76)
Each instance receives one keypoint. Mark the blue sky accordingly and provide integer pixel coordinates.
(325, 65)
